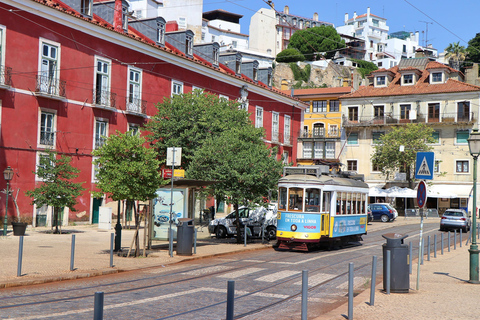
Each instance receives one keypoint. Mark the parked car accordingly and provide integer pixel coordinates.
(455, 219)
(383, 212)
(254, 219)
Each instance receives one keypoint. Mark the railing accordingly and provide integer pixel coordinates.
(5, 76)
(47, 138)
(99, 142)
(103, 98)
(318, 133)
(136, 106)
(50, 86)
(388, 119)
(426, 213)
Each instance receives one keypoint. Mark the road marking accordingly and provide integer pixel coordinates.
(317, 279)
(252, 260)
(240, 273)
(203, 271)
(278, 276)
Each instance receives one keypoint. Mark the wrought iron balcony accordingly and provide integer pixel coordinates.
(5, 77)
(390, 119)
(50, 87)
(320, 133)
(104, 99)
(47, 138)
(99, 142)
(136, 106)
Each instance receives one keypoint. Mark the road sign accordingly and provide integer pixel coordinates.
(421, 194)
(177, 173)
(424, 165)
(170, 156)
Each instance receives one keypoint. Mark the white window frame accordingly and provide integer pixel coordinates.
(224, 97)
(287, 124)
(307, 150)
(436, 72)
(3, 34)
(329, 149)
(377, 84)
(161, 33)
(177, 84)
(97, 120)
(285, 157)
(275, 126)
(333, 130)
(134, 98)
(318, 152)
(54, 128)
(86, 9)
(463, 160)
(408, 83)
(106, 77)
(133, 127)
(258, 117)
(47, 87)
(456, 143)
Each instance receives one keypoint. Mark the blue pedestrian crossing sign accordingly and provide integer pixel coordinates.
(424, 165)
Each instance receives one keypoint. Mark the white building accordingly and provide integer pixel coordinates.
(223, 27)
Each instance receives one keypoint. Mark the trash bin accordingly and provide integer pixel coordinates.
(185, 231)
(399, 263)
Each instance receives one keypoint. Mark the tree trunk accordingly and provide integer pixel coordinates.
(137, 227)
(237, 222)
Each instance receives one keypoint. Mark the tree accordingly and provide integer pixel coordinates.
(57, 188)
(188, 120)
(414, 138)
(243, 166)
(455, 54)
(127, 170)
(290, 55)
(323, 39)
(365, 67)
(473, 49)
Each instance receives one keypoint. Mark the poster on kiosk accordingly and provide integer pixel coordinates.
(161, 212)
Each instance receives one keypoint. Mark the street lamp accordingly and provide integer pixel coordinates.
(474, 147)
(7, 175)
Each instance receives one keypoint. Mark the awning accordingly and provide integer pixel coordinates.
(449, 191)
(393, 192)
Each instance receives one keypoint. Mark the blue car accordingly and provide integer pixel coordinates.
(383, 212)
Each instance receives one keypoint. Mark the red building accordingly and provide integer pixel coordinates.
(73, 72)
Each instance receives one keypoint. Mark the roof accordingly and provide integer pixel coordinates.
(319, 91)
(364, 16)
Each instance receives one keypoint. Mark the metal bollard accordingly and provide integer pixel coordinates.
(72, 254)
(448, 242)
(428, 248)
(195, 241)
(455, 240)
(388, 269)
(230, 299)
(410, 254)
(112, 235)
(98, 306)
(374, 280)
(245, 236)
(304, 294)
(350, 291)
(461, 237)
(435, 245)
(441, 240)
(20, 256)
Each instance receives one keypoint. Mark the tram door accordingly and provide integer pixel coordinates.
(326, 208)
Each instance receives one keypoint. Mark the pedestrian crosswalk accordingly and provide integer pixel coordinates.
(240, 273)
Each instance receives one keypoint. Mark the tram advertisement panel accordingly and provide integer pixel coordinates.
(293, 224)
(348, 225)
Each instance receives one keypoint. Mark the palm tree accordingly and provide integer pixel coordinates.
(455, 54)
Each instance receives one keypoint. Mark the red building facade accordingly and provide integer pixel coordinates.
(69, 78)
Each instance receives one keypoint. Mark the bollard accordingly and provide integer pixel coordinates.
(20, 255)
(304, 294)
(435, 245)
(461, 238)
(374, 279)
(428, 248)
(350, 291)
(388, 267)
(98, 306)
(111, 249)
(263, 231)
(230, 299)
(72, 254)
(448, 242)
(195, 241)
(410, 254)
(441, 240)
(455, 239)
(245, 236)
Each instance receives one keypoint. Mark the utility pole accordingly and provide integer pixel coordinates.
(426, 31)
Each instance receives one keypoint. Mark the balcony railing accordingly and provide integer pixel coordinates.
(136, 106)
(5, 76)
(47, 138)
(99, 142)
(50, 86)
(318, 133)
(389, 119)
(103, 98)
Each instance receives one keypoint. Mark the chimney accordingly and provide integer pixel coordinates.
(171, 26)
(354, 15)
(315, 16)
(368, 12)
(286, 10)
(117, 16)
(346, 18)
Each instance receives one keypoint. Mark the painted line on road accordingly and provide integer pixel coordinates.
(240, 273)
(207, 270)
(278, 276)
(317, 279)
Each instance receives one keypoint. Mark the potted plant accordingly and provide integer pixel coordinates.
(19, 225)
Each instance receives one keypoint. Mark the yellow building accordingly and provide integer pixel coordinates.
(319, 139)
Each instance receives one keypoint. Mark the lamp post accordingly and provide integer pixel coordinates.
(474, 147)
(7, 175)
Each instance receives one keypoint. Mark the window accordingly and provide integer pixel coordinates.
(285, 157)
(433, 112)
(134, 129)
(333, 130)
(318, 147)
(319, 106)
(234, 44)
(334, 106)
(102, 83)
(47, 128)
(376, 137)
(177, 87)
(160, 33)
(258, 117)
(125, 18)
(380, 80)
(463, 111)
(318, 130)
(378, 111)
(405, 111)
(203, 36)
(330, 150)
(375, 22)
(295, 199)
(404, 49)
(286, 130)
(352, 165)
(461, 166)
(437, 77)
(215, 56)
(43, 161)
(462, 136)
(95, 169)
(376, 167)
(48, 77)
(182, 22)
(307, 150)
(408, 79)
(189, 45)
(275, 126)
(353, 113)
(100, 133)
(213, 38)
(86, 7)
(312, 200)
(134, 102)
(436, 136)
(352, 138)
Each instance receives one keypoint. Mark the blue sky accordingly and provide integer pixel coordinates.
(450, 21)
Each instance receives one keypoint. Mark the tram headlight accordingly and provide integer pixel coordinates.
(306, 236)
(293, 227)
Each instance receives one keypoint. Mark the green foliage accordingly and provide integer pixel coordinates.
(290, 55)
(126, 168)
(323, 39)
(57, 188)
(456, 54)
(473, 49)
(414, 137)
(188, 120)
(300, 74)
(365, 67)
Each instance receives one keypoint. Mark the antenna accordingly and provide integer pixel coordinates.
(426, 32)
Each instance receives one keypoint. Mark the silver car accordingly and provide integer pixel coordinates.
(455, 219)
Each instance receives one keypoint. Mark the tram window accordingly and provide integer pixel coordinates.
(312, 200)
(344, 203)
(282, 199)
(326, 201)
(339, 203)
(348, 200)
(295, 199)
